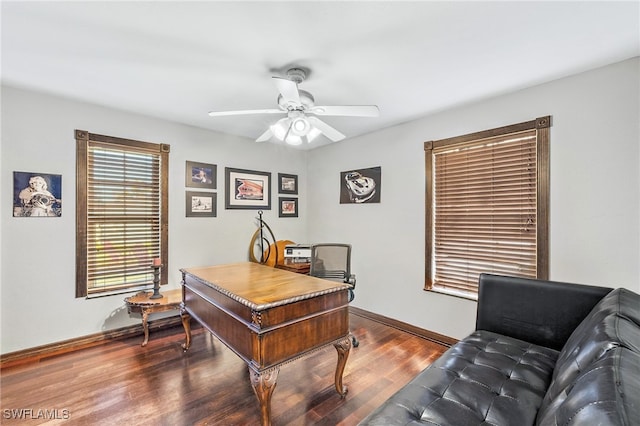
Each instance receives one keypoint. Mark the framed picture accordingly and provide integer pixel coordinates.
(287, 184)
(37, 194)
(201, 204)
(360, 186)
(201, 175)
(247, 189)
(288, 207)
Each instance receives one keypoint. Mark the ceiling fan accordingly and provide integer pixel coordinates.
(301, 124)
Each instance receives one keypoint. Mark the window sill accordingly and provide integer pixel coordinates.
(454, 293)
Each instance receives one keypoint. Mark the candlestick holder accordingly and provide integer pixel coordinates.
(156, 282)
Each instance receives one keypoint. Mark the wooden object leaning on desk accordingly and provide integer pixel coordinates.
(142, 304)
(268, 317)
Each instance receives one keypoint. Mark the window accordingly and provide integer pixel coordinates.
(487, 198)
(121, 213)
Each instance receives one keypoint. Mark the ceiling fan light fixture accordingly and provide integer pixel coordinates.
(293, 139)
(300, 126)
(280, 128)
(283, 130)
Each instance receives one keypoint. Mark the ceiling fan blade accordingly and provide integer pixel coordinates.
(288, 89)
(246, 112)
(346, 110)
(327, 130)
(265, 136)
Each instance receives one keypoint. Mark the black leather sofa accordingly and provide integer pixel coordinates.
(543, 353)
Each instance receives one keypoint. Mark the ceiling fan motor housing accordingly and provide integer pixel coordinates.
(307, 101)
(297, 75)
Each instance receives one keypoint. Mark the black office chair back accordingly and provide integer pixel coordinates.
(332, 261)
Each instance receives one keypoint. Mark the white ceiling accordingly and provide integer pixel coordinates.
(179, 60)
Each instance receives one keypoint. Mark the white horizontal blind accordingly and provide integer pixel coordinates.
(123, 216)
(484, 211)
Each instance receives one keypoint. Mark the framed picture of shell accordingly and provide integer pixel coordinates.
(247, 189)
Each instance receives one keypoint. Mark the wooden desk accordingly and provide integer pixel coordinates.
(268, 317)
(140, 303)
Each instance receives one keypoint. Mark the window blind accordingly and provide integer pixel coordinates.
(123, 216)
(484, 210)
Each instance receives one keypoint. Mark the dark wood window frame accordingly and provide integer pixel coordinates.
(84, 141)
(541, 126)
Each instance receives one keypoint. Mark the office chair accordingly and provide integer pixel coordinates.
(332, 261)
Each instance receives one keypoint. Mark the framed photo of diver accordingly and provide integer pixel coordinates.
(37, 194)
(247, 189)
(200, 175)
(360, 186)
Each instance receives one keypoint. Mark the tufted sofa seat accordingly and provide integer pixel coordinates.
(543, 353)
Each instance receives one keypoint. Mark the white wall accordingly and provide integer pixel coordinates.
(595, 194)
(38, 304)
(595, 202)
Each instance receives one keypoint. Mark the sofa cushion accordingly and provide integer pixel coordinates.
(605, 394)
(613, 322)
(484, 378)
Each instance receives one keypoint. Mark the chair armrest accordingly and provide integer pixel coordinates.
(537, 311)
(351, 280)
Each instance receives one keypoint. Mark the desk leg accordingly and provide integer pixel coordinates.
(145, 326)
(263, 385)
(343, 347)
(186, 324)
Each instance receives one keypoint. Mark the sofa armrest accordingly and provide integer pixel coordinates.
(537, 311)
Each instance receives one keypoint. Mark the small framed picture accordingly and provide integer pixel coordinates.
(201, 204)
(287, 184)
(37, 194)
(247, 189)
(201, 175)
(288, 207)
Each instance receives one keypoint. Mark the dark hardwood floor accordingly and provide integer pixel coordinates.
(122, 383)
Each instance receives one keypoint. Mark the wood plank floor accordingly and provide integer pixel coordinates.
(122, 383)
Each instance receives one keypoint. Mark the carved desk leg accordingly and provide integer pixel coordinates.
(343, 347)
(263, 385)
(186, 324)
(145, 326)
